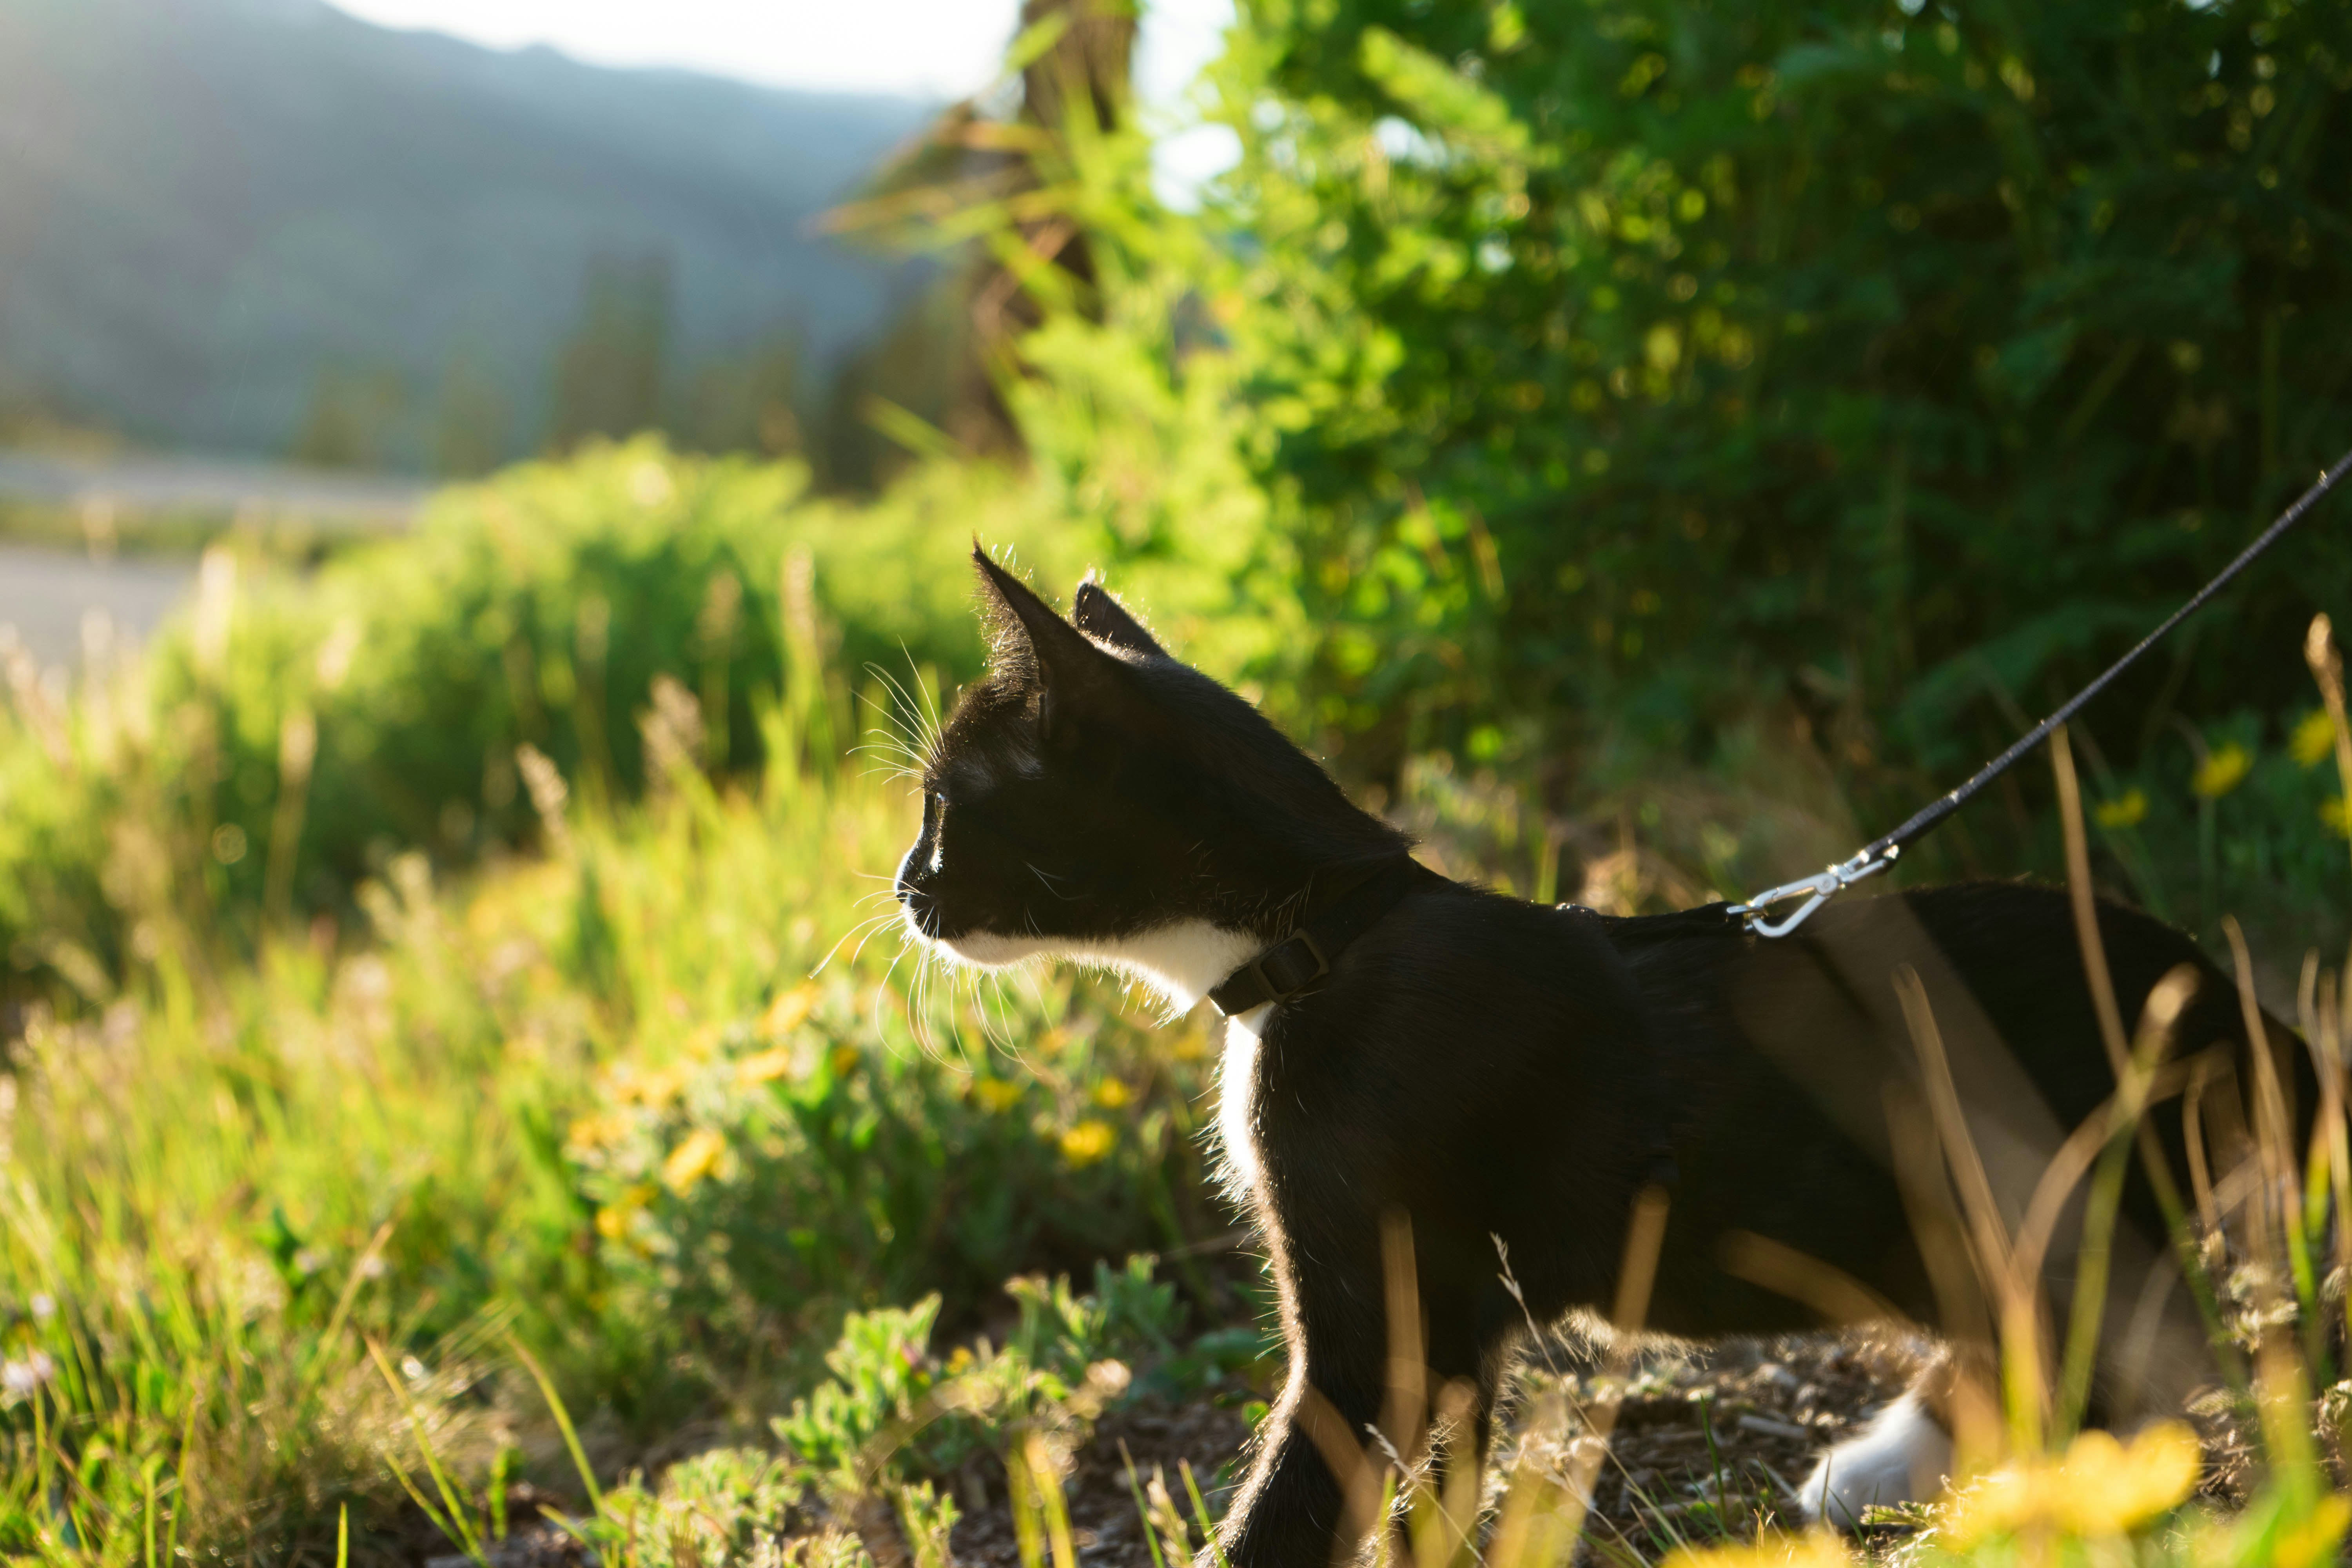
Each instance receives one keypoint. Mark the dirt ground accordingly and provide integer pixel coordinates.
(1744, 1420)
(1709, 1440)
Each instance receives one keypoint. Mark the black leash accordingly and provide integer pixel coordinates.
(1880, 853)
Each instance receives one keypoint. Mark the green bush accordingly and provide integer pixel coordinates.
(287, 736)
(1653, 354)
(1795, 398)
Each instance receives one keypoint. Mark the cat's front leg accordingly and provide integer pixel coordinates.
(1295, 1509)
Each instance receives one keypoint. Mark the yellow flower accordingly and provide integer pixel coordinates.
(693, 1159)
(2313, 741)
(2126, 810)
(1814, 1548)
(1087, 1142)
(655, 1089)
(2331, 812)
(959, 1360)
(613, 1219)
(768, 1065)
(2100, 1488)
(2223, 771)
(788, 1011)
(1110, 1094)
(996, 1095)
(844, 1060)
(596, 1132)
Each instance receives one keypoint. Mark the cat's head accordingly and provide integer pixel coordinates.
(1094, 798)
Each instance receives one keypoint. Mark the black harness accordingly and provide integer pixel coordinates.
(1298, 960)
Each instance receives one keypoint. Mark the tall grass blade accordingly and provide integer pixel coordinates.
(1142, 1509)
(1209, 1541)
(562, 1421)
(453, 1518)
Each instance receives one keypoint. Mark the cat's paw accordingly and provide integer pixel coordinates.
(1902, 1455)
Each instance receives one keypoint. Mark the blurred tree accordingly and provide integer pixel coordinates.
(608, 378)
(353, 417)
(983, 171)
(474, 426)
(905, 395)
(746, 403)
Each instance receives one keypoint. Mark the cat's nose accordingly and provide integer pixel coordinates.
(922, 909)
(922, 906)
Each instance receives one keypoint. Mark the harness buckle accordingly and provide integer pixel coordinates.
(1284, 974)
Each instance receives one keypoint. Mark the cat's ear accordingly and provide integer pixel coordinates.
(1039, 647)
(1105, 619)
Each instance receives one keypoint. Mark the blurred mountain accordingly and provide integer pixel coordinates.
(263, 226)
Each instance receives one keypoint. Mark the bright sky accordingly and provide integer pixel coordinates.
(936, 48)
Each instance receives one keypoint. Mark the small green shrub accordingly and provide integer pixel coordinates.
(893, 1409)
(727, 1508)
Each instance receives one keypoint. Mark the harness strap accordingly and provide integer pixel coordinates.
(1306, 956)
(1298, 961)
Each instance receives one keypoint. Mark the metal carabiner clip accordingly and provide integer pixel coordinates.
(1816, 891)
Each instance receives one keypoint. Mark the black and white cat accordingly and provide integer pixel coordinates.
(1499, 1071)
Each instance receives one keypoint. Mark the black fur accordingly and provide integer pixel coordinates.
(1492, 1068)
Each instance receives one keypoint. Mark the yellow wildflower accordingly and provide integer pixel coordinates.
(1087, 1142)
(959, 1361)
(768, 1065)
(2331, 812)
(2223, 770)
(597, 1131)
(1814, 1548)
(1110, 1094)
(2129, 809)
(654, 1088)
(693, 1159)
(996, 1095)
(613, 1219)
(788, 1011)
(2100, 1488)
(844, 1060)
(2313, 741)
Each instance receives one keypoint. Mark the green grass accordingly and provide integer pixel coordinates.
(591, 1100)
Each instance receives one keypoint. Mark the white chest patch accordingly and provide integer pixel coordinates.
(1237, 1100)
(1179, 962)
